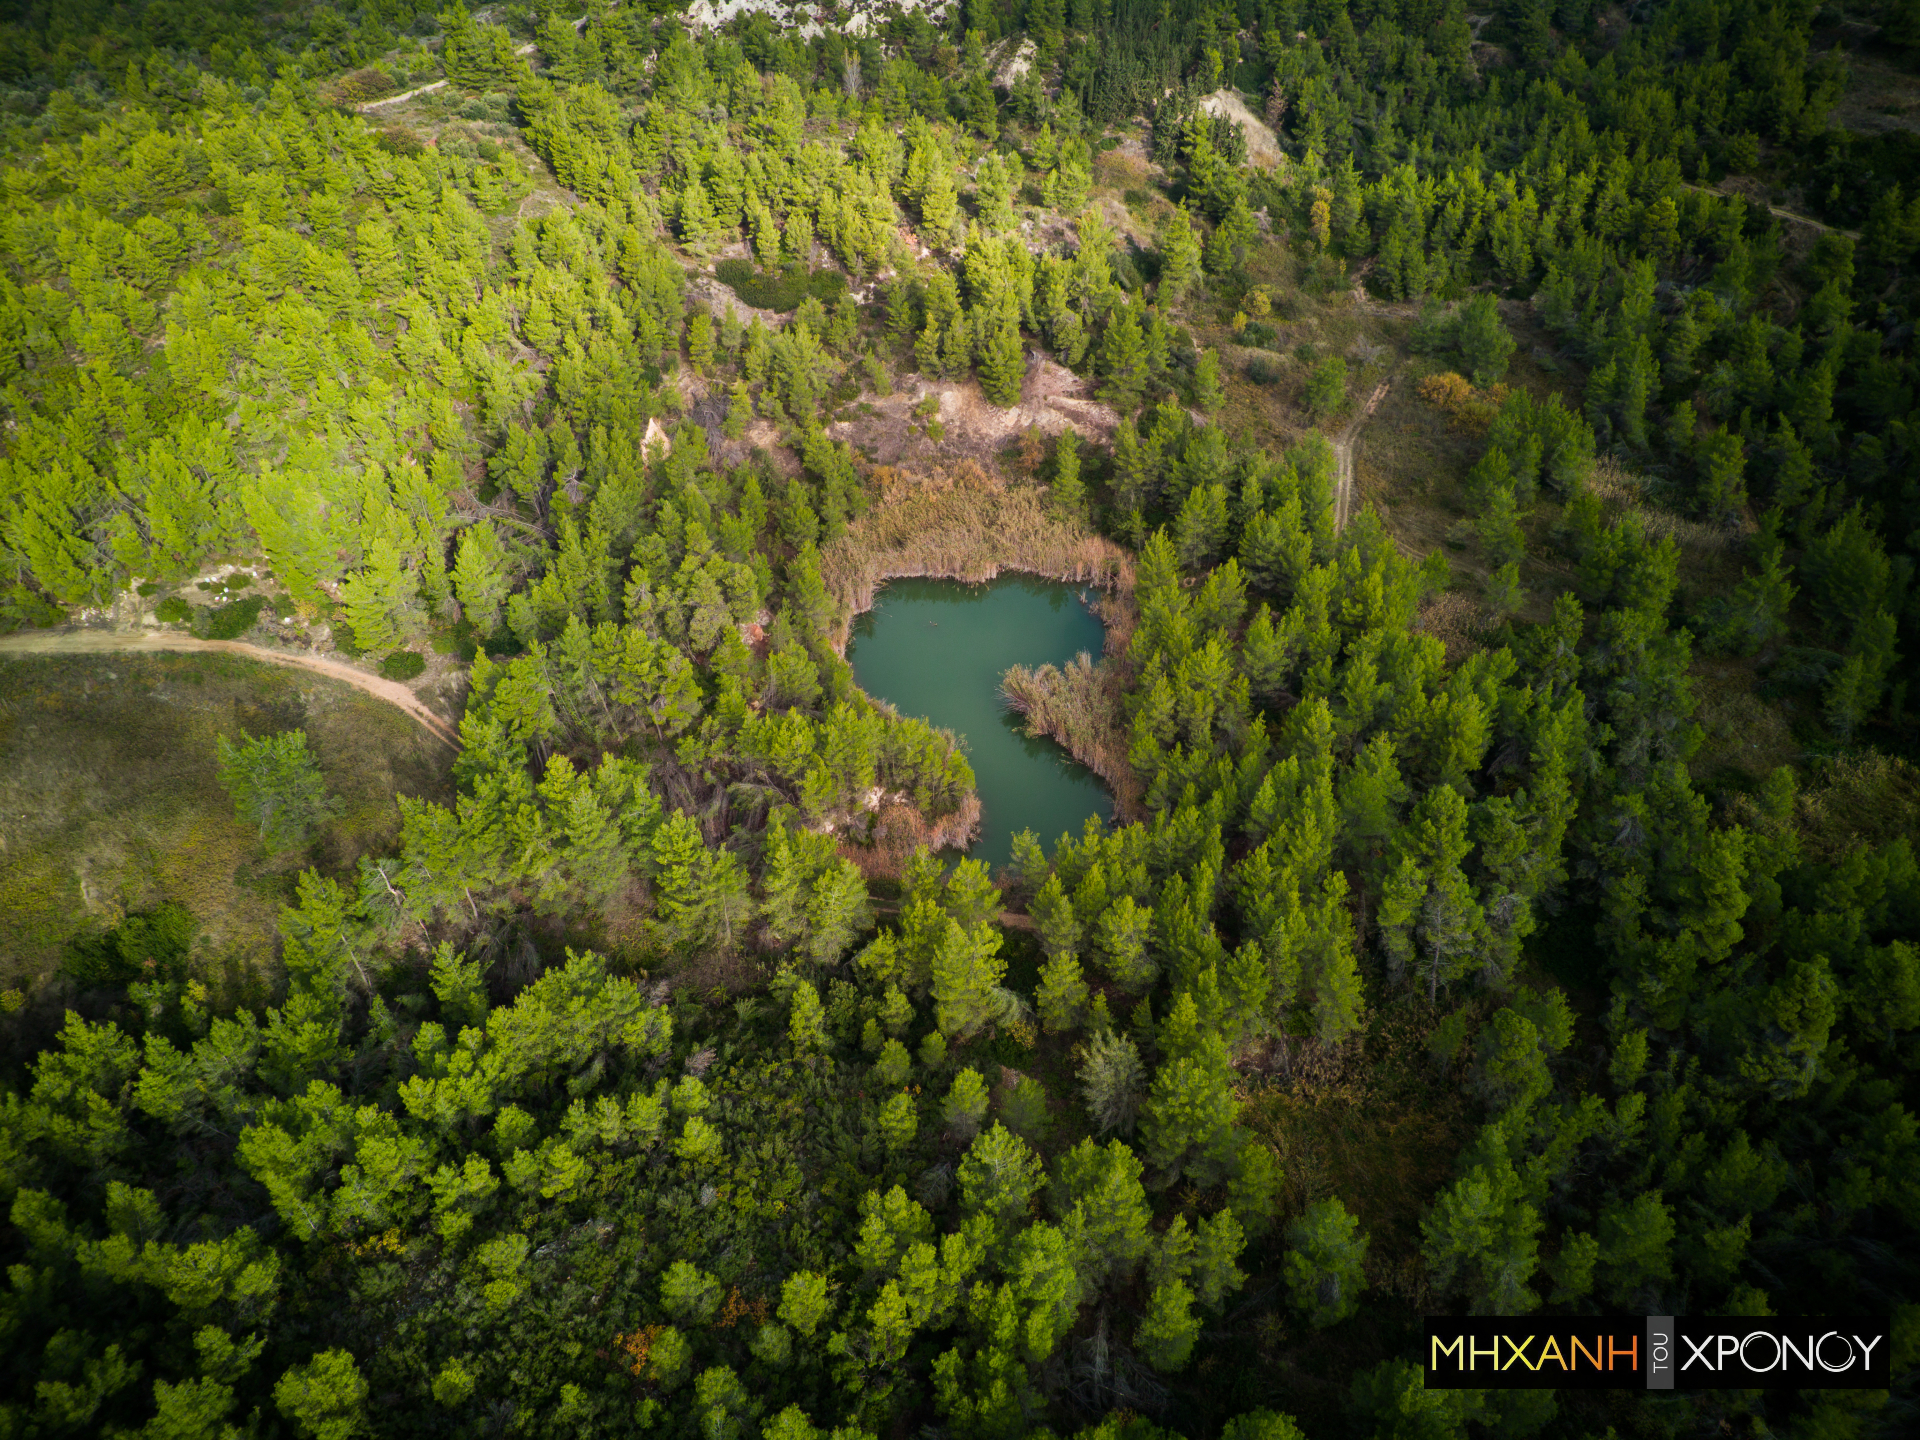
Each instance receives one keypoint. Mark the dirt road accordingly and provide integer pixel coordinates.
(1343, 447)
(104, 642)
(368, 107)
(1777, 211)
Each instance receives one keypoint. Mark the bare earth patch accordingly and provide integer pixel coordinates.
(1052, 400)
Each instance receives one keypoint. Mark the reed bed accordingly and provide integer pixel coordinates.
(1078, 705)
(962, 523)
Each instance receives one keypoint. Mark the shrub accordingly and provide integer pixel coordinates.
(231, 621)
(173, 611)
(1265, 369)
(398, 141)
(1327, 386)
(403, 665)
(367, 84)
(148, 590)
(1470, 409)
(148, 946)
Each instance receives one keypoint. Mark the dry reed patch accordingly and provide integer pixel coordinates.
(1078, 705)
(1371, 1121)
(960, 523)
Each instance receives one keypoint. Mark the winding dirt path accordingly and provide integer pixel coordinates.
(1779, 212)
(103, 642)
(1343, 448)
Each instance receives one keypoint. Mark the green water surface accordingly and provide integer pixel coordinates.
(937, 649)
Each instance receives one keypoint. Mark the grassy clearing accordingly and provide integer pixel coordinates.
(1867, 798)
(961, 524)
(1374, 1122)
(111, 806)
(1378, 1124)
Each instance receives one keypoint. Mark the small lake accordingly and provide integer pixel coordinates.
(937, 649)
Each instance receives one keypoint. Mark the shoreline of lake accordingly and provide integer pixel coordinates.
(939, 647)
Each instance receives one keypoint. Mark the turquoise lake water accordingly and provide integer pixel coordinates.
(937, 649)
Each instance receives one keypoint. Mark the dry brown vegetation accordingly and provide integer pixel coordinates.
(961, 523)
(1078, 706)
(1373, 1121)
(899, 829)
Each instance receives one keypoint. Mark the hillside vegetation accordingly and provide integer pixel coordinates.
(1503, 480)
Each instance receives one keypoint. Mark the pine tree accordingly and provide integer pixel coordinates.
(1187, 1121)
(698, 228)
(966, 1104)
(1499, 527)
(1053, 913)
(927, 348)
(1003, 362)
(1063, 993)
(382, 601)
(1635, 1242)
(899, 1122)
(1067, 495)
(481, 577)
(998, 1176)
(1169, 1330)
(939, 207)
(1123, 361)
(700, 342)
(1122, 939)
(1179, 257)
(276, 786)
(1483, 339)
(806, 1019)
(966, 980)
(326, 1396)
(1112, 1080)
(1207, 393)
(739, 410)
(1480, 1237)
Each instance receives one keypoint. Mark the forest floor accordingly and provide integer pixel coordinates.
(109, 802)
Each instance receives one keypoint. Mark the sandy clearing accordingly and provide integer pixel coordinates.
(1263, 146)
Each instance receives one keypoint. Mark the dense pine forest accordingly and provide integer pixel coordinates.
(1450, 951)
